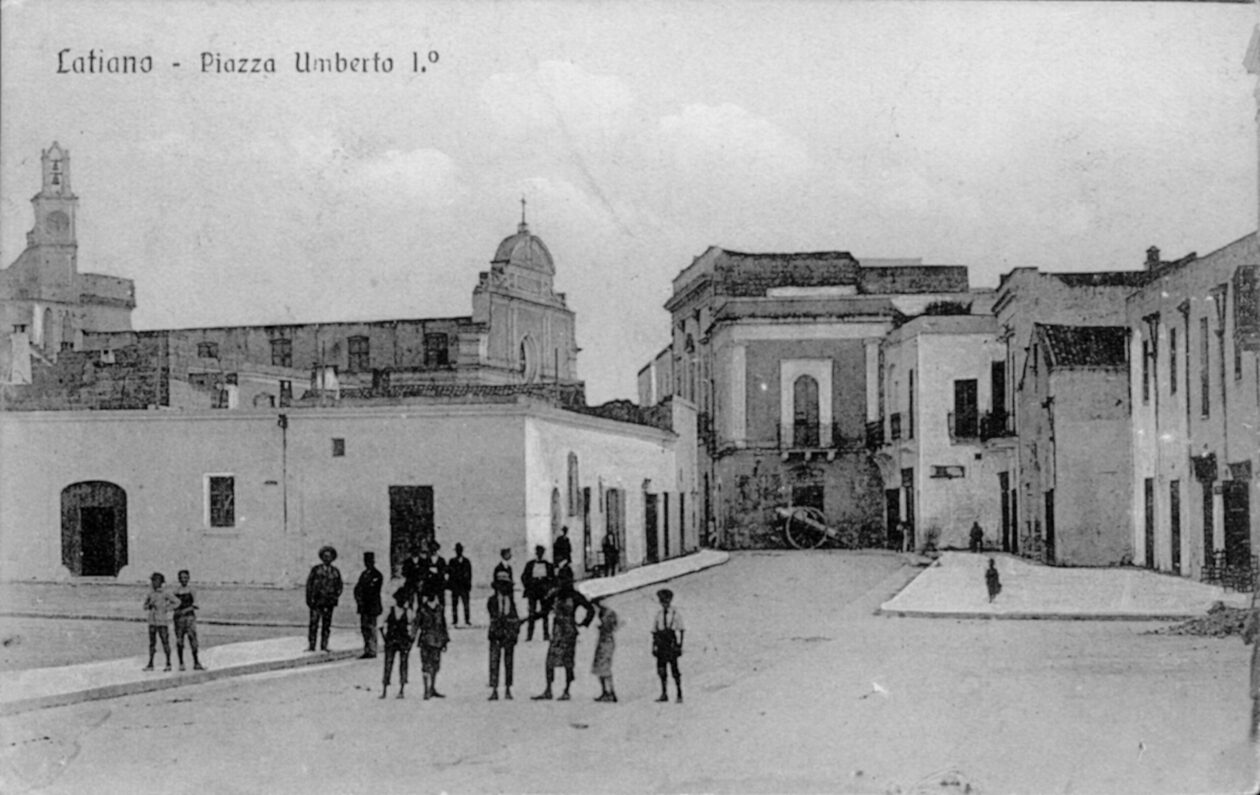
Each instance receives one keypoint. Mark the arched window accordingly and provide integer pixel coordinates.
(555, 513)
(575, 486)
(805, 412)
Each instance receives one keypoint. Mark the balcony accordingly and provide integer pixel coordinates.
(995, 424)
(964, 426)
(874, 434)
(810, 438)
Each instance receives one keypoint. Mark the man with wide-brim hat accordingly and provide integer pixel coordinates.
(323, 590)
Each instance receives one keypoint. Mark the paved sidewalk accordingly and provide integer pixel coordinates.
(953, 587)
(39, 688)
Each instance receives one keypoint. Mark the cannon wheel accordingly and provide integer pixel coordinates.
(806, 527)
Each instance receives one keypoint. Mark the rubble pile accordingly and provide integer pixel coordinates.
(1220, 622)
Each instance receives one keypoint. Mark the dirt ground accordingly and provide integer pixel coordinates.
(792, 685)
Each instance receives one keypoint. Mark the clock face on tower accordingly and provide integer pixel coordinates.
(57, 223)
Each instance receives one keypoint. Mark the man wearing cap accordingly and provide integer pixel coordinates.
(504, 565)
(367, 598)
(323, 590)
(667, 643)
(537, 579)
(505, 627)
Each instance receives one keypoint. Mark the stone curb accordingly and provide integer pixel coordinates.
(169, 682)
(894, 613)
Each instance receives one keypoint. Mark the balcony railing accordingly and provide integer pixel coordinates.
(894, 426)
(874, 434)
(814, 436)
(995, 424)
(964, 426)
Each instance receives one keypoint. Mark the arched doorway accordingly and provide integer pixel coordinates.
(94, 528)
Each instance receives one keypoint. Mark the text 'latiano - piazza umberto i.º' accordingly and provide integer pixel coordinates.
(304, 62)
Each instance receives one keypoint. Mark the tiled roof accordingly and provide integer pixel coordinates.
(1084, 346)
(1104, 278)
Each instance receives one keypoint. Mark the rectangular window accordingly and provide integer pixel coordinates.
(966, 409)
(360, 356)
(1205, 373)
(207, 350)
(221, 500)
(338, 447)
(1146, 371)
(1237, 359)
(1172, 359)
(437, 350)
(286, 394)
(949, 472)
(910, 412)
(281, 352)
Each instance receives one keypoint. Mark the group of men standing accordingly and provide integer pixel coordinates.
(549, 588)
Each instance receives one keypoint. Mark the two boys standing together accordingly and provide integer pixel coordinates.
(179, 606)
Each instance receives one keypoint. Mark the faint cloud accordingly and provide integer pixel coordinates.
(593, 109)
(727, 134)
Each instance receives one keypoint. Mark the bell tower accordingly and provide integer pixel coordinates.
(55, 204)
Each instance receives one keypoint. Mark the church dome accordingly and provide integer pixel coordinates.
(524, 250)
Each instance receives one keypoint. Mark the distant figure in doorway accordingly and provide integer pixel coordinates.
(398, 640)
(976, 538)
(158, 604)
(562, 548)
(667, 643)
(604, 648)
(611, 554)
(907, 537)
(367, 599)
(437, 571)
(414, 569)
(537, 579)
(505, 628)
(431, 636)
(459, 579)
(186, 620)
(564, 601)
(504, 566)
(323, 591)
(992, 581)
(1251, 634)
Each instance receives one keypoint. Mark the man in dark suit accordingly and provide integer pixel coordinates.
(562, 549)
(505, 627)
(459, 582)
(367, 598)
(537, 579)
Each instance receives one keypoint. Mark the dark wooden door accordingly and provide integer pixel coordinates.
(649, 529)
(410, 522)
(1050, 557)
(1004, 487)
(97, 526)
(1237, 523)
(1174, 524)
(1148, 497)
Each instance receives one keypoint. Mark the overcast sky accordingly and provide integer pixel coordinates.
(992, 135)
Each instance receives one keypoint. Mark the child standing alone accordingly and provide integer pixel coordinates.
(158, 604)
(991, 580)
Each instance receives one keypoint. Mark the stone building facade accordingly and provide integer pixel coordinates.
(780, 354)
(1194, 334)
(941, 439)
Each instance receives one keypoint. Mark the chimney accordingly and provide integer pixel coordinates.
(1152, 258)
